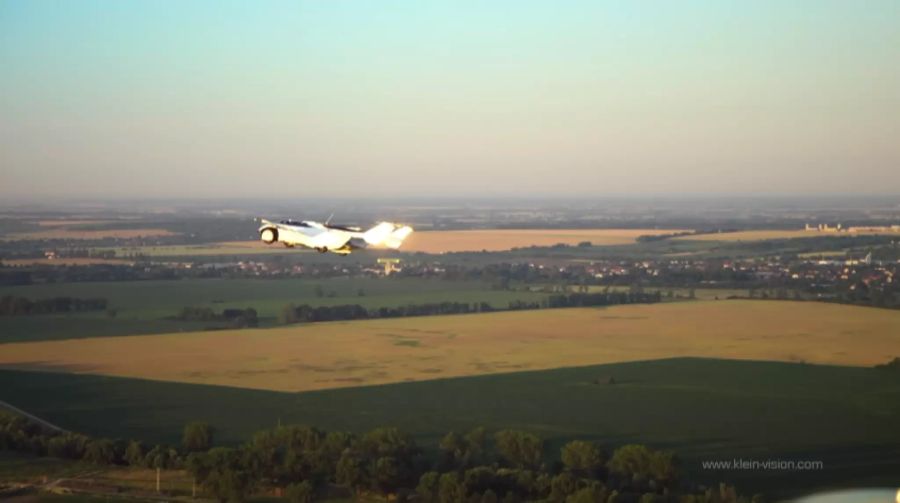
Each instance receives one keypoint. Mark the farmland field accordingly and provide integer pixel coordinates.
(679, 293)
(505, 239)
(703, 409)
(61, 222)
(761, 235)
(66, 233)
(63, 261)
(141, 306)
(428, 242)
(342, 354)
(114, 483)
(225, 248)
(19, 467)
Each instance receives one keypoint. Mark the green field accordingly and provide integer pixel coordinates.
(19, 467)
(703, 409)
(683, 247)
(142, 305)
(201, 250)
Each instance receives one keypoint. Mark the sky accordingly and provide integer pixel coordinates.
(354, 98)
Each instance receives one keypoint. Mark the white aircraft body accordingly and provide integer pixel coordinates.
(334, 238)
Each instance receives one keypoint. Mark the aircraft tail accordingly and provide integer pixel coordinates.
(396, 238)
(387, 234)
(376, 235)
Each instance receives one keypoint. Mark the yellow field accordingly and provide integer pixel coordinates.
(63, 222)
(760, 235)
(429, 241)
(340, 354)
(824, 254)
(64, 233)
(505, 239)
(210, 249)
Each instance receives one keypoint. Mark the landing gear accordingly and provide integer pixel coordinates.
(321, 249)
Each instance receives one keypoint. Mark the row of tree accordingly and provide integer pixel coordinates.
(303, 463)
(293, 313)
(17, 433)
(650, 238)
(305, 313)
(893, 365)
(20, 306)
(607, 298)
(235, 317)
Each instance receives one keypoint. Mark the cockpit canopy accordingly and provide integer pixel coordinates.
(306, 223)
(295, 223)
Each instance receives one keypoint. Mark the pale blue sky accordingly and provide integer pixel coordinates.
(181, 98)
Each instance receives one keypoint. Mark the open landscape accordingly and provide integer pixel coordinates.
(435, 242)
(136, 307)
(63, 262)
(431, 251)
(763, 235)
(506, 239)
(66, 232)
(711, 348)
(340, 354)
(703, 409)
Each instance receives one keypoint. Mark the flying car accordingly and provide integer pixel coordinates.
(326, 237)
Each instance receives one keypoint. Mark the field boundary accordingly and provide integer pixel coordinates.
(46, 424)
(335, 354)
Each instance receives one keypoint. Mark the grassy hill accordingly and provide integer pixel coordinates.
(703, 409)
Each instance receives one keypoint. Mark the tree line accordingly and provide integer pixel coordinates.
(893, 365)
(305, 313)
(238, 318)
(21, 306)
(650, 238)
(606, 298)
(304, 463)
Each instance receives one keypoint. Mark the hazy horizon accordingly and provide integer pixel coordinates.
(448, 99)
